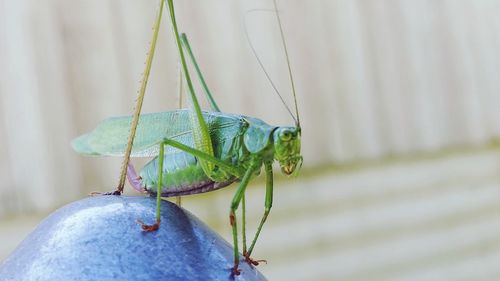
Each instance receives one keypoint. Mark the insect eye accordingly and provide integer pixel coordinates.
(286, 135)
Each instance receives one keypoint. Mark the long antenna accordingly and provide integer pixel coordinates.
(262, 65)
(288, 63)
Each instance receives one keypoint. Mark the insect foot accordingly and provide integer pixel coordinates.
(251, 261)
(149, 227)
(235, 271)
(97, 193)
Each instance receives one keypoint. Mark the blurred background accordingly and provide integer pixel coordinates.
(400, 111)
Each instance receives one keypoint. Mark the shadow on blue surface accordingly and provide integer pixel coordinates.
(98, 239)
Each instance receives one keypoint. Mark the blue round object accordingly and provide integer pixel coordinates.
(98, 239)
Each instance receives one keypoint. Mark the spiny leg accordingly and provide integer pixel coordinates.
(268, 204)
(138, 105)
(232, 214)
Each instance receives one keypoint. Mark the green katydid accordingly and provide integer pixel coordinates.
(197, 151)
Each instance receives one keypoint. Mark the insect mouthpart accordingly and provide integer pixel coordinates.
(288, 170)
(291, 165)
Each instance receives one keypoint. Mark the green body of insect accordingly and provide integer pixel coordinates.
(197, 151)
(237, 140)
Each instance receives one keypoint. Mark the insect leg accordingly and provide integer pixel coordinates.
(232, 216)
(200, 155)
(138, 105)
(235, 171)
(268, 204)
(243, 225)
(155, 226)
(201, 135)
(185, 44)
(178, 199)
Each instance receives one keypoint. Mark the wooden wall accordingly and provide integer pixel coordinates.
(374, 78)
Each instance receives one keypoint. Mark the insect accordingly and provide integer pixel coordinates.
(199, 151)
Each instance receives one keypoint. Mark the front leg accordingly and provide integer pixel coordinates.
(268, 204)
(232, 214)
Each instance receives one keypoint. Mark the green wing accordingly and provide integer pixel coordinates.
(110, 136)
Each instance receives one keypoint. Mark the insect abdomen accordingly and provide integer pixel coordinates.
(182, 175)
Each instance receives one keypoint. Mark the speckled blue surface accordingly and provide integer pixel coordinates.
(98, 239)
